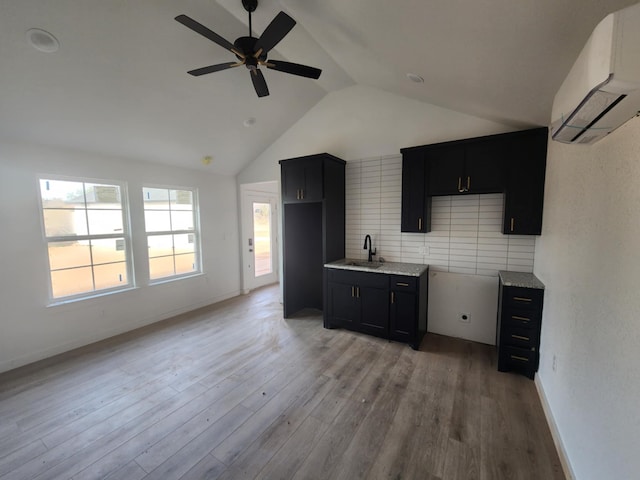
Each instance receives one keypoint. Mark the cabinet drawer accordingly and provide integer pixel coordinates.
(358, 278)
(520, 337)
(521, 318)
(522, 357)
(402, 282)
(523, 298)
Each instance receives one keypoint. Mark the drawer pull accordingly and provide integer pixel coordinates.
(523, 299)
(353, 291)
(520, 337)
(401, 284)
(518, 357)
(420, 224)
(393, 297)
(523, 319)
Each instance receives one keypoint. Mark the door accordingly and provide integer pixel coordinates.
(259, 235)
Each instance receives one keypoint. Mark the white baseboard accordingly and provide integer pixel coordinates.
(555, 433)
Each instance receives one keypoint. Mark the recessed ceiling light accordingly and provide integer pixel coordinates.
(249, 122)
(414, 77)
(42, 40)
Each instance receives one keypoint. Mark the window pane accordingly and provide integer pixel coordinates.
(184, 243)
(182, 220)
(185, 263)
(157, 221)
(155, 198)
(110, 275)
(71, 282)
(108, 250)
(105, 221)
(160, 245)
(69, 254)
(181, 200)
(102, 195)
(60, 222)
(161, 267)
(61, 194)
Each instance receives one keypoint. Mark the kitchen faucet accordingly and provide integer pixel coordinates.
(368, 237)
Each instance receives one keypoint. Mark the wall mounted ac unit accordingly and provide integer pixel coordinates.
(602, 90)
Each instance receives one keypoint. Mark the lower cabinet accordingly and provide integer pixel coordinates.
(518, 329)
(380, 304)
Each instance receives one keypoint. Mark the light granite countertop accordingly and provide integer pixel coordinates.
(388, 268)
(520, 279)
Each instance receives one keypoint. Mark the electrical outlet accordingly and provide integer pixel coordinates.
(464, 317)
(554, 365)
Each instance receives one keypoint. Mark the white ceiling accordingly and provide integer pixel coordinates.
(118, 85)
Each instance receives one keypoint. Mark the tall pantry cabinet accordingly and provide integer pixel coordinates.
(313, 231)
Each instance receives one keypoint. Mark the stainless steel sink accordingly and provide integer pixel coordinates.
(364, 264)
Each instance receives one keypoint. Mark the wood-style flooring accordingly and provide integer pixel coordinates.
(234, 391)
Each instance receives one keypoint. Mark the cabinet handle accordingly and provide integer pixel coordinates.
(302, 194)
(523, 319)
(468, 183)
(420, 223)
(512, 222)
(298, 194)
(393, 297)
(518, 357)
(460, 189)
(353, 291)
(523, 299)
(402, 284)
(358, 292)
(520, 337)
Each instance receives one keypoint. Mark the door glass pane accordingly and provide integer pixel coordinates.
(262, 238)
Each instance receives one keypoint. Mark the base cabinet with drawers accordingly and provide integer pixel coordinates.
(519, 321)
(385, 305)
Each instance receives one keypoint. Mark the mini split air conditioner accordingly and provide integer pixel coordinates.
(602, 90)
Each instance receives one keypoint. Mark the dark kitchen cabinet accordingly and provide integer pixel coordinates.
(465, 167)
(302, 180)
(313, 215)
(513, 163)
(518, 325)
(384, 305)
(416, 204)
(524, 186)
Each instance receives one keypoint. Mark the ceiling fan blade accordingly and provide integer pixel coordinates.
(213, 68)
(205, 32)
(294, 68)
(259, 83)
(275, 31)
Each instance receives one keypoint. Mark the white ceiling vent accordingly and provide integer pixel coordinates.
(602, 90)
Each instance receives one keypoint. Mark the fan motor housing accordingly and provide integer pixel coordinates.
(247, 46)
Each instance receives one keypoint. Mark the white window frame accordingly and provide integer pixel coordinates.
(195, 232)
(126, 234)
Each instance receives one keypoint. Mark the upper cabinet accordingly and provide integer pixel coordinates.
(302, 180)
(459, 168)
(524, 185)
(416, 204)
(513, 163)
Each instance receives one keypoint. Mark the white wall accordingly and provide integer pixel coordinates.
(30, 329)
(588, 259)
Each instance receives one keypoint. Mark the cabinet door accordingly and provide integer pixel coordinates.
(416, 211)
(484, 166)
(445, 170)
(302, 180)
(403, 316)
(344, 307)
(374, 310)
(525, 166)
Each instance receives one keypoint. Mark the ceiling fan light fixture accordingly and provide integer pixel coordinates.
(414, 77)
(42, 40)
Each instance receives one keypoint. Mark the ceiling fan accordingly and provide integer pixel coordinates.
(252, 52)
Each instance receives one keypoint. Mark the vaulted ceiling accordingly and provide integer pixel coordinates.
(118, 83)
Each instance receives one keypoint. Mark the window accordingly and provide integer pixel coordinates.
(87, 237)
(172, 236)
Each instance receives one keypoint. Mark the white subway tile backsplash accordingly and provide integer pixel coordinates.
(466, 231)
